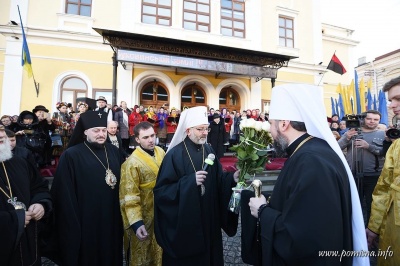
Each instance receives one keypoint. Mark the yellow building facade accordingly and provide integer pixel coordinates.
(71, 60)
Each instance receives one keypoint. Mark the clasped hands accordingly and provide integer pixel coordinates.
(35, 212)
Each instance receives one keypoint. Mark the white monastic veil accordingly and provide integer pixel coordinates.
(191, 117)
(304, 103)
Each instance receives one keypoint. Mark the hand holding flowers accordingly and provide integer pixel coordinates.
(251, 153)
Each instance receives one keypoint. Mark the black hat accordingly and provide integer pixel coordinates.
(40, 108)
(28, 116)
(93, 119)
(102, 98)
(87, 120)
(216, 115)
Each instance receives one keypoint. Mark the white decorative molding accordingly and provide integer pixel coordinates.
(68, 22)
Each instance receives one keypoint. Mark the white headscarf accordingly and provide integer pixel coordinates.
(304, 103)
(189, 118)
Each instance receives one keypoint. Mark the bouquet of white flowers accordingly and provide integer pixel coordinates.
(251, 153)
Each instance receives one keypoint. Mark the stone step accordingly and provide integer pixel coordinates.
(268, 179)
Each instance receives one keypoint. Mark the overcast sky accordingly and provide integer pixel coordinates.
(376, 24)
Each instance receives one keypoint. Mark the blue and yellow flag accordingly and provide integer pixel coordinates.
(26, 57)
(357, 106)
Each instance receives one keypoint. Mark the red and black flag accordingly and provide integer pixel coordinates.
(336, 66)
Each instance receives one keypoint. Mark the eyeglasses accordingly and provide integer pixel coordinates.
(203, 129)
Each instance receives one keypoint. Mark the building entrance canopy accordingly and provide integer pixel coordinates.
(154, 50)
(196, 63)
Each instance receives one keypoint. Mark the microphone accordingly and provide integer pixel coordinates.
(209, 161)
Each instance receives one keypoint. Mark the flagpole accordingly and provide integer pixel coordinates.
(321, 78)
(25, 50)
(36, 85)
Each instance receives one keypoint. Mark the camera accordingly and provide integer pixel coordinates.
(393, 133)
(354, 121)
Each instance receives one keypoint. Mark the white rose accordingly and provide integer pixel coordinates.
(258, 125)
(242, 124)
(266, 126)
(251, 123)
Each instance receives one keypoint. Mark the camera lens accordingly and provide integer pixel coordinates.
(393, 133)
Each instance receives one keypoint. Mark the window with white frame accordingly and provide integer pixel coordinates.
(233, 18)
(196, 15)
(79, 7)
(73, 88)
(286, 32)
(157, 12)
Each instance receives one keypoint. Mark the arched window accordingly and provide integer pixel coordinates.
(154, 93)
(229, 99)
(192, 95)
(73, 88)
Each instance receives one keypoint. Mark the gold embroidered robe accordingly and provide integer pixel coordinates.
(385, 209)
(138, 178)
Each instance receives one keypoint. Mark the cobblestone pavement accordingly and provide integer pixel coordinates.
(232, 250)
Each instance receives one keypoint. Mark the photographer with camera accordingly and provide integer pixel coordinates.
(364, 143)
(384, 221)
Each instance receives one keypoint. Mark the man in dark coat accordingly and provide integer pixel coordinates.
(314, 207)
(190, 204)
(20, 151)
(24, 200)
(47, 125)
(122, 117)
(102, 106)
(88, 223)
(114, 137)
(216, 136)
(31, 135)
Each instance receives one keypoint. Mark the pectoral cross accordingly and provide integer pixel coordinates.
(99, 115)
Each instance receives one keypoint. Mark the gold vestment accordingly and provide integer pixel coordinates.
(138, 178)
(385, 209)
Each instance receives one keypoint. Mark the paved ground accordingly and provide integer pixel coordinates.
(232, 250)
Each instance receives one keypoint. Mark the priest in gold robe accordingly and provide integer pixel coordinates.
(138, 178)
(384, 223)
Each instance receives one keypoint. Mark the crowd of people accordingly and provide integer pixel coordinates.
(47, 135)
(133, 182)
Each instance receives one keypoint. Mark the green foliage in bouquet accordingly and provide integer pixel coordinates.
(251, 151)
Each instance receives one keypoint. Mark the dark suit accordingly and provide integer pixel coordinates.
(121, 149)
(123, 130)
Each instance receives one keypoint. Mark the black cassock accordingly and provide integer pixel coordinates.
(88, 223)
(188, 225)
(216, 137)
(310, 209)
(19, 245)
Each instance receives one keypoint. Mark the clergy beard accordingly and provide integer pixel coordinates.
(5, 150)
(280, 144)
(197, 140)
(96, 145)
